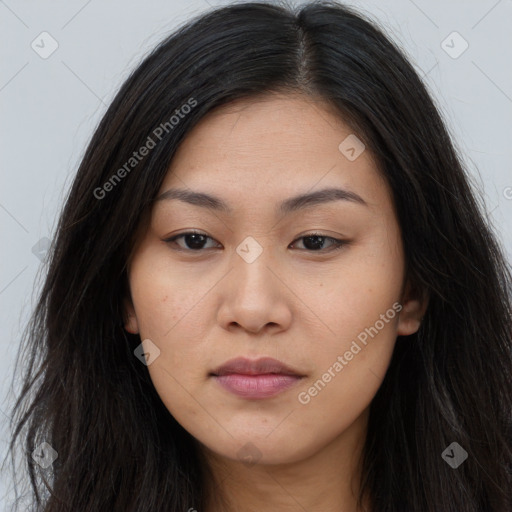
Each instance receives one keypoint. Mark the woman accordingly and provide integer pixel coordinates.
(271, 288)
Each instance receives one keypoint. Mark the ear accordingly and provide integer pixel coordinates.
(130, 319)
(414, 304)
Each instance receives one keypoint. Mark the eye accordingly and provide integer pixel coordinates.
(314, 242)
(194, 240)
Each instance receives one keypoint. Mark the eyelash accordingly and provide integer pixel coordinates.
(337, 243)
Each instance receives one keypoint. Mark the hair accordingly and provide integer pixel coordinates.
(87, 395)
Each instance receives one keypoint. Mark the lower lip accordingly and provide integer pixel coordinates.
(256, 386)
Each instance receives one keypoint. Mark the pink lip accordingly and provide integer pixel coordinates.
(257, 379)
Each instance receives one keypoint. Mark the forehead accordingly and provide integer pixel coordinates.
(272, 147)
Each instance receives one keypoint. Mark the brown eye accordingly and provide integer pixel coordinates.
(194, 241)
(315, 242)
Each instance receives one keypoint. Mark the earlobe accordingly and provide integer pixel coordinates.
(130, 319)
(414, 308)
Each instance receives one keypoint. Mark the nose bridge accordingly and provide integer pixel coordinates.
(254, 297)
(251, 263)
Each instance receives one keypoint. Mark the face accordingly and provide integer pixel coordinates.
(315, 283)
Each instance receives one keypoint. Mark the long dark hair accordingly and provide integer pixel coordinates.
(87, 395)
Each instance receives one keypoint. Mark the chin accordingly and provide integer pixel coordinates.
(252, 449)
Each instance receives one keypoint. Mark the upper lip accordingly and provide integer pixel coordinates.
(261, 366)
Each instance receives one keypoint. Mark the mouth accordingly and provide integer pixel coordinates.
(258, 379)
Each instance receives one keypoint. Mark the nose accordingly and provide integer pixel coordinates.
(255, 297)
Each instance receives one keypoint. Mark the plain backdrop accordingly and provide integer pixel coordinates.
(50, 105)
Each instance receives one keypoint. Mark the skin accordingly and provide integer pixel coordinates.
(299, 305)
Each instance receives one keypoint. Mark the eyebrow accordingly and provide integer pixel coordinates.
(288, 206)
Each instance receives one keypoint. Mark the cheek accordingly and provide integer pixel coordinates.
(362, 289)
(165, 300)
(170, 311)
(348, 374)
(359, 306)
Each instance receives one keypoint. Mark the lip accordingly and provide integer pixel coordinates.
(261, 366)
(256, 379)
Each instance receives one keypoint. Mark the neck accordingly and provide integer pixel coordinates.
(326, 481)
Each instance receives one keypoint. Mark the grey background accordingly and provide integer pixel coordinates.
(50, 107)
